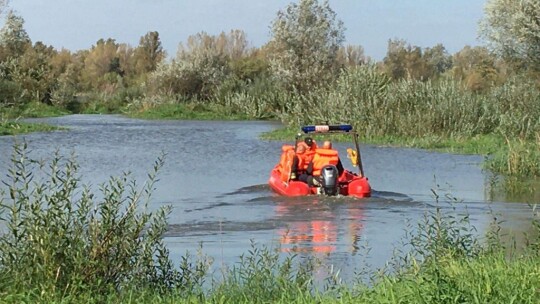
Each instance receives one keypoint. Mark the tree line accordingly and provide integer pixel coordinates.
(295, 60)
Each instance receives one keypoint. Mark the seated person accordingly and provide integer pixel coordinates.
(322, 157)
(328, 145)
(308, 143)
(298, 162)
(305, 150)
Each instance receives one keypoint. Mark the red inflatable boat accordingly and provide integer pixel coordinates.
(327, 179)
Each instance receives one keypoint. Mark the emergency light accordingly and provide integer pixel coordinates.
(326, 128)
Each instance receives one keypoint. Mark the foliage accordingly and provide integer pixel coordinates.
(200, 66)
(423, 97)
(517, 158)
(306, 38)
(351, 56)
(261, 276)
(149, 53)
(62, 238)
(64, 244)
(13, 37)
(404, 61)
(512, 28)
(476, 67)
(10, 92)
(428, 113)
(99, 65)
(32, 109)
(15, 127)
(185, 110)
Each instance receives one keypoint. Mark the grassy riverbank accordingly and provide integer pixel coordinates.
(63, 245)
(490, 278)
(487, 144)
(502, 123)
(16, 128)
(187, 111)
(10, 123)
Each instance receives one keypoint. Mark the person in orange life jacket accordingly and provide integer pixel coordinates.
(318, 161)
(298, 162)
(303, 156)
(305, 176)
(328, 145)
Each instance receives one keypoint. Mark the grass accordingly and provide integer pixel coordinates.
(481, 144)
(32, 110)
(440, 115)
(489, 278)
(186, 111)
(443, 115)
(16, 128)
(10, 124)
(64, 244)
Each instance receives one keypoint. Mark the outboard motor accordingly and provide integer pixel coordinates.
(329, 180)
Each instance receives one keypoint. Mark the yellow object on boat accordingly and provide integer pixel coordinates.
(353, 155)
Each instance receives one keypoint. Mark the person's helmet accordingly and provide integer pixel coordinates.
(308, 141)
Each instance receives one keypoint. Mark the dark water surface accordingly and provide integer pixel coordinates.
(215, 178)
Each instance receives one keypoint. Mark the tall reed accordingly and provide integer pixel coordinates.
(443, 110)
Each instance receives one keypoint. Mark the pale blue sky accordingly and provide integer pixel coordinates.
(78, 24)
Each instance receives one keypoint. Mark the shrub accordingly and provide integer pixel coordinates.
(61, 237)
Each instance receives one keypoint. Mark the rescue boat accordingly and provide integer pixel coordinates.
(328, 180)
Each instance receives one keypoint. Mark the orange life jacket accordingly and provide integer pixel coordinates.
(322, 158)
(285, 161)
(307, 156)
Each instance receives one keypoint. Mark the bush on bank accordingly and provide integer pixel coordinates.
(61, 238)
(63, 243)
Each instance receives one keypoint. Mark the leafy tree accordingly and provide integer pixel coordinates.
(351, 56)
(34, 72)
(252, 66)
(100, 61)
(201, 65)
(306, 38)
(476, 66)
(149, 53)
(404, 61)
(512, 29)
(14, 39)
(114, 66)
(438, 59)
(412, 62)
(67, 69)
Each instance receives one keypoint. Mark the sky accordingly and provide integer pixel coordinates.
(79, 24)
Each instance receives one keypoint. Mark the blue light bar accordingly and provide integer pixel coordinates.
(326, 128)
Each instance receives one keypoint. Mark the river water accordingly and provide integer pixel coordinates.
(215, 178)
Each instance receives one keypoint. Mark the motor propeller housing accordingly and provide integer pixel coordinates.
(329, 180)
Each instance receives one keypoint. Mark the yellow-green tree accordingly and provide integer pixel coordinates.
(14, 39)
(476, 67)
(352, 56)
(148, 54)
(101, 65)
(438, 59)
(512, 29)
(201, 65)
(404, 61)
(306, 37)
(14, 42)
